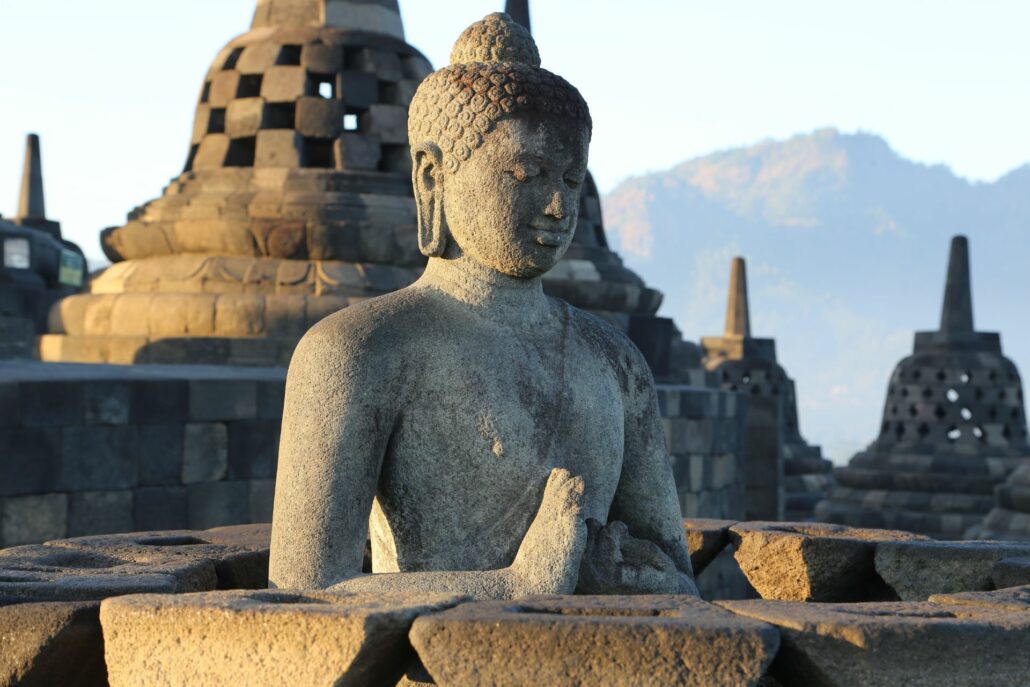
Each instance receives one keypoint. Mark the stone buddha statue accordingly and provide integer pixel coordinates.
(492, 440)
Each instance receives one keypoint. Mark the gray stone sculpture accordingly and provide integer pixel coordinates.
(489, 429)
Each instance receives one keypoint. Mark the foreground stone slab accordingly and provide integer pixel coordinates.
(911, 644)
(52, 644)
(706, 538)
(593, 640)
(239, 554)
(52, 573)
(262, 637)
(812, 561)
(918, 569)
(1016, 599)
(1011, 572)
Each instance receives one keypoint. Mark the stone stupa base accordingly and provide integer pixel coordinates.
(942, 496)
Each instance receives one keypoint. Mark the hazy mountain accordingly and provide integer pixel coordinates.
(846, 243)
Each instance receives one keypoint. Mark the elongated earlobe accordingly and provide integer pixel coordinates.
(428, 179)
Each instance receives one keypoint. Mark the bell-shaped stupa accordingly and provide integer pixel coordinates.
(953, 428)
(740, 362)
(295, 200)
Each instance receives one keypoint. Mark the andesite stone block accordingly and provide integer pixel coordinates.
(284, 84)
(359, 90)
(278, 148)
(599, 640)
(223, 400)
(319, 117)
(64, 573)
(160, 458)
(98, 457)
(912, 644)
(107, 403)
(100, 512)
(31, 461)
(812, 561)
(32, 519)
(321, 58)
(214, 504)
(50, 404)
(159, 508)
(256, 59)
(262, 499)
(706, 538)
(223, 89)
(253, 449)
(388, 122)
(917, 570)
(262, 637)
(244, 116)
(159, 401)
(52, 644)
(239, 555)
(211, 153)
(205, 452)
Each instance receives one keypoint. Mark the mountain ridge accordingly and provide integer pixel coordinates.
(846, 241)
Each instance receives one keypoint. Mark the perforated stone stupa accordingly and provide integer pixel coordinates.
(295, 198)
(954, 427)
(740, 362)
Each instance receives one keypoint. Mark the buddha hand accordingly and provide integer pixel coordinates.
(617, 563)
(549, 557)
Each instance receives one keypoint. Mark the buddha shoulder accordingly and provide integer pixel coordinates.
(610, 343)
(378, 329)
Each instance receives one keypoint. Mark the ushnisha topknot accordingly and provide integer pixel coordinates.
(494, 74)
(497, 38)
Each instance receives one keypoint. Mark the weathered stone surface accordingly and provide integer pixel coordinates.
(31, 519)
(1011, 572)
(262, 638)
(918, 569)
(706, 538)
(1016, 599)
(610, 640)
(912, 644)
(45, 644)
(54, 573)
(812, 561)
(239, 554)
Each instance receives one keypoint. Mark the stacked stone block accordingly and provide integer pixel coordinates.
(175, 607)
(91, 450)
(1010, 516)
(704, 430)
(954, 428)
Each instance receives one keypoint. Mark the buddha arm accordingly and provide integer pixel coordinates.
(646, 499)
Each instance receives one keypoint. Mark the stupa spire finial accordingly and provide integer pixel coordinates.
(378, 16)
(31, 204)
(519, 11)
(957, 313)
(738, 317)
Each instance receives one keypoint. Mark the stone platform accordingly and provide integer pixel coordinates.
(177, 607)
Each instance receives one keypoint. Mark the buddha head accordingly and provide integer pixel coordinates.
(499, 154)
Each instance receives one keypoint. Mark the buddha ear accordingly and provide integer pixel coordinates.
(427, 176)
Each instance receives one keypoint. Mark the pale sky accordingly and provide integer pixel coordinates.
(110, 85)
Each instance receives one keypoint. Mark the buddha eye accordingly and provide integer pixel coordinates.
(573, 183)
(524, 172)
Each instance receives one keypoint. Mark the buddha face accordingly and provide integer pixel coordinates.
(513, 205)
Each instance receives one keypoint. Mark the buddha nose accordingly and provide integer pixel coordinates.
(556, 208)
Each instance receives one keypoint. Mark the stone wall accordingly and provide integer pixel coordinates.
(97, 449)
(705, 433)
(92, 449)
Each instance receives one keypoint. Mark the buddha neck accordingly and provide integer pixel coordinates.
(487, 292)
